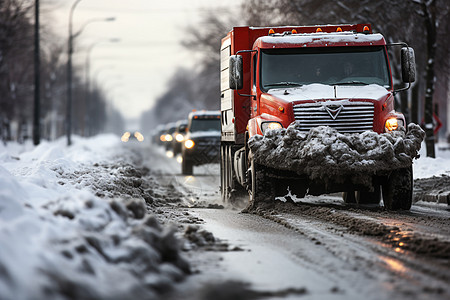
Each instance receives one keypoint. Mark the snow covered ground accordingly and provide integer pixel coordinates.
(67, 230)
(64, 234)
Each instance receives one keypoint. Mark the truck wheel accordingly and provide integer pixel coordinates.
(261, 188)
(363, 197)
(187, 167)
(349, 197)
(223, 173)
(398, 190)
(231, 190)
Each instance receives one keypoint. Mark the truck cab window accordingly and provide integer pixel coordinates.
(331, 66)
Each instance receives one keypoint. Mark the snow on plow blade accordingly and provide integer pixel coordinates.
(325, 154)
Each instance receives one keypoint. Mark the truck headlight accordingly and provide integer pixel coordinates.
(189, 144)
(270, 125)
(393, 124)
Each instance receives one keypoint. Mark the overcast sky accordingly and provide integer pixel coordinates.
(134, 70)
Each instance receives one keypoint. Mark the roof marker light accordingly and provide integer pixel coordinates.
(319, 29)
(339, 29)
(366, 29)
(294, 31)
(271, 31)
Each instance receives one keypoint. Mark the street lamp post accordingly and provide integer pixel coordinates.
(69, 67)
(36, 119)
(69, 77)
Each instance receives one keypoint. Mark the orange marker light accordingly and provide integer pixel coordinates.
(294, 31)
(366, 29)
(319, 29)
(281, 108)
(339, 29)
(271, 31)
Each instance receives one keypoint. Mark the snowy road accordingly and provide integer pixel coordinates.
(103, 219)
(316, 249)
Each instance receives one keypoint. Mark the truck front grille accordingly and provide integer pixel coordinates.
(345, 117)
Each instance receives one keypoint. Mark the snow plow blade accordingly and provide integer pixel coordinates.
(326, 157)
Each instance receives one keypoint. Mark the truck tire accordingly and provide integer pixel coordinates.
(261, 188)
(349, 197)
(398, 190)
(223, 174)
(363, 197)
(187, 167)
(231, 190)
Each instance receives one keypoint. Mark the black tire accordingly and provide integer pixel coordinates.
(231, 190)
(398, 190)
(187, 167)
(261, 188)
(349, 197)
(223, 174)
(363, 197)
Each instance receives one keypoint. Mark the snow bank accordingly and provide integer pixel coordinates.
(323, 153)
(59, 240)
(426, 167)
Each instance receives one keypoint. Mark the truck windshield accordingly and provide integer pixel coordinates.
(332, 66)
(210, 124)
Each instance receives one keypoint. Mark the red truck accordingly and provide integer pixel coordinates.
(337, 76)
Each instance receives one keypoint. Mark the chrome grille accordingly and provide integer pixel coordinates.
(348, 117)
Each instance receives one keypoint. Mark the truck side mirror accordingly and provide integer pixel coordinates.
(408, 65)
(236, 71)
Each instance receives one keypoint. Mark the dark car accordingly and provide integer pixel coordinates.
(168, 135)
(178, 136)
(202, 141)
(158, 134)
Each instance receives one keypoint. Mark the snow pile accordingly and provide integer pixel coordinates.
(325, 154)
(58, 239)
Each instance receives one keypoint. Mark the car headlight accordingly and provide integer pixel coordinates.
(179, 137)
(270, 126)
(393, 124)
(169, 138)
(189, 144)
(139, 136)
(125, 137)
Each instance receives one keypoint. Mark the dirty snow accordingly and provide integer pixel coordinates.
(325, 154)
(74, 221)
(62, 237)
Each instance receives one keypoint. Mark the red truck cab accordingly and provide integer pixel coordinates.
(333, 75)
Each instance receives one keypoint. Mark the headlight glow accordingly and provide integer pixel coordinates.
(270, 126)
(391, 124)
(169, 138)
(125, 137)
(179, 137)
(189, 144)
(139, 136)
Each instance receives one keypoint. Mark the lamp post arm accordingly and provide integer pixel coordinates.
(89, 22)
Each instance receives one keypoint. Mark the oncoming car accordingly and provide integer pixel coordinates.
(178, 136)
(136, 136)
(202, 141)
